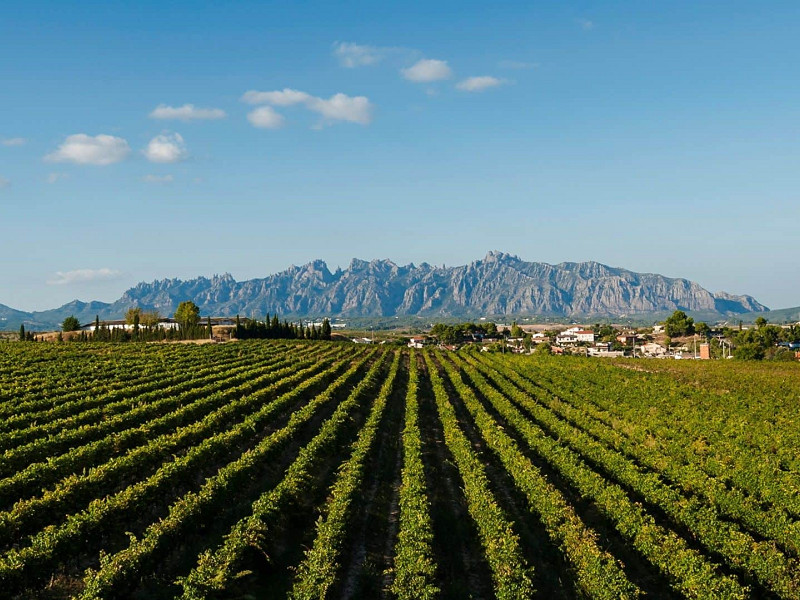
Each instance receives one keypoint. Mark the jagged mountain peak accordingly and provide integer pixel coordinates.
(499, 284)
(499, 256)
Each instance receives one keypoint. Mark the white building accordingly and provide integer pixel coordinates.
(652, 349)
(416, 342)
(566, 339)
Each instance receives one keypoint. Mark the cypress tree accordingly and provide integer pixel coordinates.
(326, 329)
(22, 333)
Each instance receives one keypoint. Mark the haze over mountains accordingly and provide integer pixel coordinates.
(498, 285)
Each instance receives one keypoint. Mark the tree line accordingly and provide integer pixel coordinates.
(145, 326)
(274, 328)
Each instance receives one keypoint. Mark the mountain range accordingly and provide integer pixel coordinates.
(498, 285)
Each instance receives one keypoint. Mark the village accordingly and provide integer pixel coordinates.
(700, 342)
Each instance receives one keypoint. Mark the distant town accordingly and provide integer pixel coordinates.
(679, 337)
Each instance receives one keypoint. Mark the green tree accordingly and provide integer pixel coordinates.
(679, 324)
(703, 329)
(70, 324)
(187, 315)
(749, 352)
(760, 322)
(516, 331)
(22, 333)
(133, 314)
(446, 334)
(326, 329)
(150, 318)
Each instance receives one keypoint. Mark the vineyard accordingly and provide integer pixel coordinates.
(275, 469)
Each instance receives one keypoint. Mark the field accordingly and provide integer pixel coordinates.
(311, 470)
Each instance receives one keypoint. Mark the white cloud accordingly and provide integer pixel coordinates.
(166, 148)
(84, 149)
(478, 84)
(426, 70)
(54, 177)
(17, 141)
(284, 97)
(586, 24)
(158, 179)
(83, 276)
(265, 117)
(341, 107)
(187, 112)
(352, 55)
(4, 182)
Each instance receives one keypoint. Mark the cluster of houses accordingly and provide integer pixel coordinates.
(580, 340)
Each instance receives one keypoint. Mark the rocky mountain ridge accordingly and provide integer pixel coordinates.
(498, 285)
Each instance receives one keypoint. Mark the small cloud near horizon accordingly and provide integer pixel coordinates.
(586, 24)
(166, 148)
(427, 70)
(187, 112)
(480, 83)
(339, 107)
(83, 149)
(83, 276)
(265, 117)
(16, 141)
(351, 55)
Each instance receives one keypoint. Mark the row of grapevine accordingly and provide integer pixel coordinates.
(120, 571)
(773, 524)
(120, 410)
(70, 493)
(114, 401)
(38, 475)
(414, 565)
(692, 574)
(27, 565)
(511, 574)
(721, 443)
(598, 573)
(103, 370)
(326, 469)
(216, 570)
(317, 573)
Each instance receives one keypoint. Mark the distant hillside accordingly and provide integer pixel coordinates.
(782, 315)
(499, 285)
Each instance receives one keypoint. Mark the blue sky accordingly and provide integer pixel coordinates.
(660, 137)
